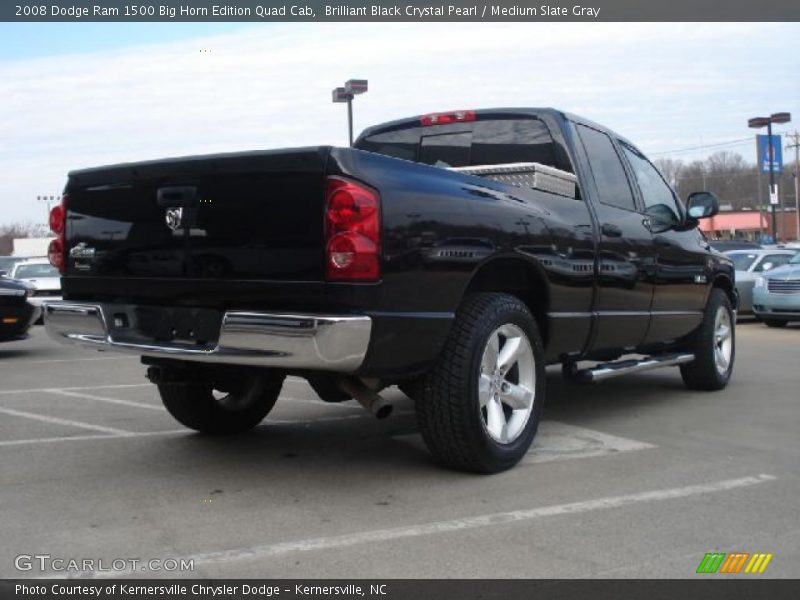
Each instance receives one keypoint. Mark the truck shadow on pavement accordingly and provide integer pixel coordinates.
(353, 444)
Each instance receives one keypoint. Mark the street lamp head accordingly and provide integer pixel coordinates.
(781, 117)
(356, 86)
(341, 95)
(758, 122)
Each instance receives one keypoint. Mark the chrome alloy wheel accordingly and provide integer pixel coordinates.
(507, 383)
(723, 339)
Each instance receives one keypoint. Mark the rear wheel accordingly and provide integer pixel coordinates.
(479, 406)
(713, 345)
(231, 405)
(775, 322)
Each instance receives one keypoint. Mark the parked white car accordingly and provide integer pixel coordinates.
(42, 276)
(749, 265)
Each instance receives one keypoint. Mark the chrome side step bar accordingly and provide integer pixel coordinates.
(605, 371)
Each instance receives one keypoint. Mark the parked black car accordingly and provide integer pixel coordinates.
(16, 312)
(453, 254)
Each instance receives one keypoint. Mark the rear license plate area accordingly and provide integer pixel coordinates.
(195, 326)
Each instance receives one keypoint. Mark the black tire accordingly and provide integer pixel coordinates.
(703, 373)
(448, 409)
(777, 323)
(245, 405)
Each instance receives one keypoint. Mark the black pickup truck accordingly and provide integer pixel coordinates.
(453, 254)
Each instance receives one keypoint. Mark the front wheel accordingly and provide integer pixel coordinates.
(713, 345)
(231, 405)
(479, 406)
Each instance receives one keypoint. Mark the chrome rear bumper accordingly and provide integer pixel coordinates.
(292, 341)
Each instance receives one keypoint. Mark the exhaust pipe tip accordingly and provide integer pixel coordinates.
(383, 411)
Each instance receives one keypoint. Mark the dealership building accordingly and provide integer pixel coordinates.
(751, 224)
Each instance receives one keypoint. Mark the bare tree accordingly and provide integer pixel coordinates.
(727, 174)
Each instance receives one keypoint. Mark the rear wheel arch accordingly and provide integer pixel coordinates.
(519, 277)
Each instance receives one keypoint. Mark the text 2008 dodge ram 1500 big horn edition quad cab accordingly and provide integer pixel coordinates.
(454, 254)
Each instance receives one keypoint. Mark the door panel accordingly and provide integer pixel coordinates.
(626, 256)
(681, 280)
(625, 282)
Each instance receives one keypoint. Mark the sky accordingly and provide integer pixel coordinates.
(75, 95)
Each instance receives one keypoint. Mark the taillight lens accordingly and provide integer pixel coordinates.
(58, 225)
(55, 253)
(57, 219)
(456, 116)
(352, 231)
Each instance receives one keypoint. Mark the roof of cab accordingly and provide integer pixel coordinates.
(494, 112)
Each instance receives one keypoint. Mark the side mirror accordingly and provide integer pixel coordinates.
(701, 205)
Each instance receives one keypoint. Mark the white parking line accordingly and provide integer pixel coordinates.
(105, 399)
(264, 551)
(84, 438)
(135, 434)
(560, 441)
(85, 387)
(67, 422)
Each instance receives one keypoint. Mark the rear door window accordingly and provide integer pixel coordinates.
(609, 174)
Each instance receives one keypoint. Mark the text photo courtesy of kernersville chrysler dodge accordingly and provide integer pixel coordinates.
(453, 254)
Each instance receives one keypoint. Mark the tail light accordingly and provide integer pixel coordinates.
(456, 116)
(58, 225)
(352, 231)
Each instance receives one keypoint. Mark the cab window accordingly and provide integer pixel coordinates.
(487, 141)
(609, 174)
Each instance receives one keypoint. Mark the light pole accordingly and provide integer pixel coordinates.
(351, 88)
(758, 123)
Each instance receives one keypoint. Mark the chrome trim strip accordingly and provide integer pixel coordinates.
(607, 371)
(297, 341)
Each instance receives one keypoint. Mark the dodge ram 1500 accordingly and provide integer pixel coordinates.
(454, 255)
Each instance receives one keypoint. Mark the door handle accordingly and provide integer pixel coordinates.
(611, 230)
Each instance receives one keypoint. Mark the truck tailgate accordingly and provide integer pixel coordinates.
(244, 216)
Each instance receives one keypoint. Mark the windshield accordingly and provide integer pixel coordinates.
(35, 271)
(795, 259)
(742, 260)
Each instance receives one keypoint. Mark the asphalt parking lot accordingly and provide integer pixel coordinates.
(634, 477)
